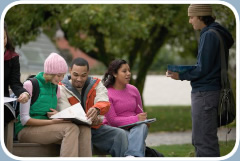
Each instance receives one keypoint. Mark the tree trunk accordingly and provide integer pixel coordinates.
(150, 51)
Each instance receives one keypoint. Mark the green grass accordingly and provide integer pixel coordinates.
(171, 118)
(187, 150)
(178, 118)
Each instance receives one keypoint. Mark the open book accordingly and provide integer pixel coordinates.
(73, 113)
(128, 126)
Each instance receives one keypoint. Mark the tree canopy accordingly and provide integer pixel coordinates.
(135, 32)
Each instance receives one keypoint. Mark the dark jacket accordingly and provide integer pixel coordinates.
(12, 74)
(207, 74)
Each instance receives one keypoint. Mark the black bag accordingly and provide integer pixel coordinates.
(149, 152)
(9, 113)
(227, 105)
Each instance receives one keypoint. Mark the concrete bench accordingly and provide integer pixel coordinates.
(34, 149)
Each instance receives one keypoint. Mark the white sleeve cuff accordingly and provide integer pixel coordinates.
(24, 112)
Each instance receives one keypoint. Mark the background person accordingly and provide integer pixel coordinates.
(205, 79)
(12, 75)
(126, 106)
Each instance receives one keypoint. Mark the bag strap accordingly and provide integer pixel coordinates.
(224, 75)
(35, 90)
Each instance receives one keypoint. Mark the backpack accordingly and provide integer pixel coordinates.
(35, 93)
(227, 105)
(149, 152)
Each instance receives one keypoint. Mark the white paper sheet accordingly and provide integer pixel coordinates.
(9, 99)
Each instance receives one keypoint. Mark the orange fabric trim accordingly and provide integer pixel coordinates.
(72, 100)
(103, 106)
(91, 95)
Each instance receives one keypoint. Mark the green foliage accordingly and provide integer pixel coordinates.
(136, 32)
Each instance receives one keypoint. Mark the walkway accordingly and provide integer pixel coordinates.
(168, 138)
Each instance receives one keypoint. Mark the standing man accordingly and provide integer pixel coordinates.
(78, 87)
(205, 79)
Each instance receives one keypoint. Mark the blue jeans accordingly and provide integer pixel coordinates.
(136, 140)
(111, 140)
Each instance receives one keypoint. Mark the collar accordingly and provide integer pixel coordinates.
(9, 55)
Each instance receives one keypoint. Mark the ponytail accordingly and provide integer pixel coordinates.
(108, 78)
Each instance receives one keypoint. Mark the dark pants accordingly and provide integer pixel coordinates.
(204, 123)
(110, 139)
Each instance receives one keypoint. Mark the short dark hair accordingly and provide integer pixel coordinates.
(79, 62)
(207, 20)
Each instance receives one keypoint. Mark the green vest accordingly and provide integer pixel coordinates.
(47, 99)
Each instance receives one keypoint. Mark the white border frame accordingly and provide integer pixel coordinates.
(124, 2)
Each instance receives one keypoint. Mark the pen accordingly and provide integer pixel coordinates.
(140, 108)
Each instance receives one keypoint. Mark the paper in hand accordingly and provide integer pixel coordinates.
(74, 113)
(9, 99)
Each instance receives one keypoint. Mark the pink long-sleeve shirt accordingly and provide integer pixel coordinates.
(125, 105)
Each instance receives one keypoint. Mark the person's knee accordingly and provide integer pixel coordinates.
(84, 130)
(74, 128)
(143, 126)
(121, 134)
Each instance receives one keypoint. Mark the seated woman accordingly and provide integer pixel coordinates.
(126, 106)
(34, 125)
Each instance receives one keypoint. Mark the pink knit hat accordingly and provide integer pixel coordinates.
(55, 64)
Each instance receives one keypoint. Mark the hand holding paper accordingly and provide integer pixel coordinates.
(9, 99)
(74, 113)
(92, 113)
(49, 114)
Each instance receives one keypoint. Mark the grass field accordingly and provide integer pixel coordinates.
(187, 150)
(178, 118)
(171, 118)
